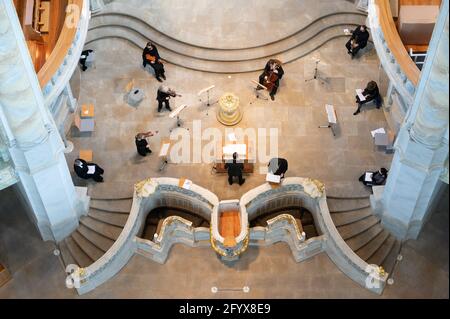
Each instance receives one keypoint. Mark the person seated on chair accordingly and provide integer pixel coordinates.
(375, 178)
(83, 58)
(358, 40)
(87, 170)
(270, 78)
(151, 56)
(235, 169)
(278, 166)
(141, 143)
(163, 97)
(371, 93)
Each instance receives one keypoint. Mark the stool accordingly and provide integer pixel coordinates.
(86, 155)
(135, 97)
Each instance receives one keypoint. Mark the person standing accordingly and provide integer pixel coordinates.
(371, 93)
(151, 56)
(358, 40)
(235, 169)
(142, 144)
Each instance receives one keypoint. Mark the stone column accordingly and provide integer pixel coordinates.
(422, 144)
(36, 147)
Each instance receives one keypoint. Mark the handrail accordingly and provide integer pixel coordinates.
(61, 48)
(395, 43)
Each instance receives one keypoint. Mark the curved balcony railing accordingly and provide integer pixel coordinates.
(59, 67)
(8, 175)
(398, 65)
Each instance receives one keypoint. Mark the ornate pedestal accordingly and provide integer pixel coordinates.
(229, 112)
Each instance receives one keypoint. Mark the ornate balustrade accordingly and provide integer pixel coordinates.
(402, 71)
(59, 67)
(8, 174)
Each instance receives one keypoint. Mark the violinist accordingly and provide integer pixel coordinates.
(163, 97)
(151, 56)
(270, 78)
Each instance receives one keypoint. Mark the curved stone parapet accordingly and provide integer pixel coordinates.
(166, 192)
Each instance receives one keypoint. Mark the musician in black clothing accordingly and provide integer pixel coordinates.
(358, 40)
(151, 56)
(273, 73)
(83, 58)
(163, 97)
(141, 143)
(235, 169)
(371, 93)
(86, 170)
(374, 178)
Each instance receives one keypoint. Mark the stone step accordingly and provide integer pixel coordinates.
(372, 247)
(111, 190)
(347, 205)
(351, 230)
(383, 252)
(106, 230)
(111, 205)
(345, 218)
(389, 263)
(115, 219)
(362, 239)
(80, 257)
(89, 248)
(66, 255)
(222, 67)
(98, 240)
(134, 23)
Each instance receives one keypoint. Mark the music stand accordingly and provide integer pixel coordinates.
(332, 118)
(176, 114)
(316, 74)
(258, 93)
(208, 101)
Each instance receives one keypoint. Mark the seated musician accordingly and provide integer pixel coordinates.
(270, 78)
(374, 178)
(358, 40)
(371, 93)
(152, 57)
(235, 169)
(163, 97)
(86, 170)
(278, 166)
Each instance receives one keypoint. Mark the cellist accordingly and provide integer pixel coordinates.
(151, 56)
(270, 78)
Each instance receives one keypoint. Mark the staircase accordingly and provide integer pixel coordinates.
(124, 22)
(362, 230)
(97, 231)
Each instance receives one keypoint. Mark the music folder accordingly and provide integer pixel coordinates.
(360, 95)
(331, 113)
(271, 178)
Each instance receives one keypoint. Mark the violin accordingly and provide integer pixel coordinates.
(172, 93)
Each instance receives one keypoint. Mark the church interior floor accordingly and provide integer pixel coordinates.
(297, 112)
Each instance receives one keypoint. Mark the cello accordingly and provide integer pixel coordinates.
(271, 77)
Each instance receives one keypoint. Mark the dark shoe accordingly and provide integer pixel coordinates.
(164, 77)
(272, 97)
(169, 109)
(159, 79)
(357, 112)
(242, 182)
(159, 110)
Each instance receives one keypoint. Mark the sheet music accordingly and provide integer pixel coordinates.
(273, 178)
(229, 150)
(368, 177)
(187, 184)
(347, 32)
(177, 111)
(91, 169)
(331, 114)
(360, 95)
(164, 149)
(380, 130)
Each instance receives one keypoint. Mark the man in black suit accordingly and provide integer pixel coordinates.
(371, 93)
(235, 170)
(360, 37)
(141, 143)
(278, 166)
(83, 59)
(163, 97)
(86, 170)
(156, 64)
